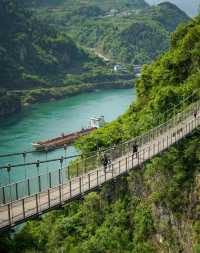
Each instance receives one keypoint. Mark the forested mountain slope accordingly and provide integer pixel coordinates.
(103, 4)
(129, 36)
(37, 51)
(162, 84)
(32, 53)
(167, 14)
(156, 208)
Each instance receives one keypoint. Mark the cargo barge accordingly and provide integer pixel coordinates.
(68, 139)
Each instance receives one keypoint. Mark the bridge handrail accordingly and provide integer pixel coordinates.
(20, 210)
(144, 138)
(166, 112)
(61, 184)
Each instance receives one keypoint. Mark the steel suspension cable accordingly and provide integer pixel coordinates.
(64, 146)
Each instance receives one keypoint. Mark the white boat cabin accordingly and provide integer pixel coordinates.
(97, 122)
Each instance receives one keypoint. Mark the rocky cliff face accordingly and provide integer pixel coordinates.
(171, 190)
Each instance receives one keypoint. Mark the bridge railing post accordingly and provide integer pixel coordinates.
(49, 198)
(132, 160)
(9, 214)
(39, 183)
(70, 188)
(60, 193)
(4, 195)
(89, 181)
(23, 209)
(97, 177)
(37, 204)
(77, 170)
(50, 181)
(60, 185)
(28, 185)
(16, 189)
(80, 188)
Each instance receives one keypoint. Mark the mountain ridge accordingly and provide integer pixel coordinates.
(104, 4)
(154, 208)
(190, 7)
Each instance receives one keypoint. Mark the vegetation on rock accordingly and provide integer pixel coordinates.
(33, 53)
(163, 84)
(153, 209)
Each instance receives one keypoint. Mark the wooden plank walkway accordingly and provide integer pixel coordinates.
(166, 135)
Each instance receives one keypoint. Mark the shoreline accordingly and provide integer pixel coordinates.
(44, 95)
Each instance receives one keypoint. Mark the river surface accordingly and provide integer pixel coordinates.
(48, 120)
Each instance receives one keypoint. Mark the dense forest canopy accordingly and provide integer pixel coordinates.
(154, 208)
(33, 53)
(127, 36)
(151, 210)
(38, 49)
(162, 84)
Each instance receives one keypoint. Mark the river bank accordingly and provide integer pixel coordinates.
(41, 95)
(44, 122)
(14, 101)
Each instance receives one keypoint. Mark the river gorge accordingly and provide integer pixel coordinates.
(48, 120)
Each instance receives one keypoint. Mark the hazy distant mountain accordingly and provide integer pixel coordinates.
(189, 6)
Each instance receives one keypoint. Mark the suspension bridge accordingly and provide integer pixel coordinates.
(33, 196)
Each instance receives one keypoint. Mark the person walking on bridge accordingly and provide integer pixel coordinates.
(105, 162)
(135, 149)
(195, 114)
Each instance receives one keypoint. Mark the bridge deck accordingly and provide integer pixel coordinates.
(20, 210)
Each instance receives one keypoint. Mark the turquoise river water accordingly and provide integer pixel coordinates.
(48, 120)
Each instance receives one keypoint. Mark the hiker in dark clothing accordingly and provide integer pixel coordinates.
(135, 149)
(195, 114)
(105, 162)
